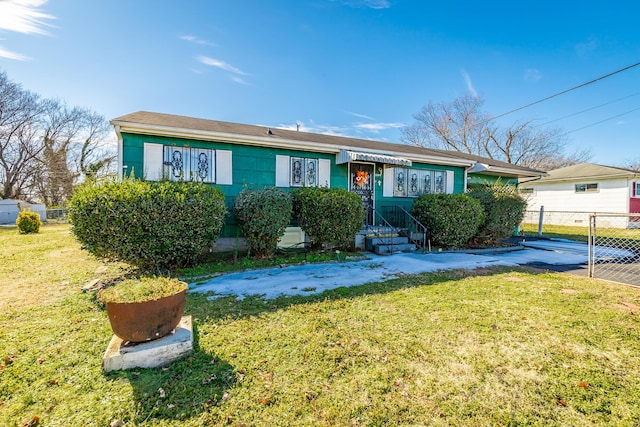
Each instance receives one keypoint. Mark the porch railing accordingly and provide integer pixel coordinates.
(408, 226)
(383, 226)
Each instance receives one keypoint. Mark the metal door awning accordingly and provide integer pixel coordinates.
(346, 156)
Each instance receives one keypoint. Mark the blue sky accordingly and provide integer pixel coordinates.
(350, 67)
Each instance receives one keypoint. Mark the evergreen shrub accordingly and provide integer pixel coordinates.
(28, 222)
(504, 210)
(451, 219)
(328, 216)
(155, 226)
(263, 216)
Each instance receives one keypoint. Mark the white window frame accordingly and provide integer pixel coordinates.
(218, 164)
(409, 182)
(196, 164)
(284, 176)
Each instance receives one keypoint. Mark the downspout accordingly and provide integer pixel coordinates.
(120, 152)
(464, 179)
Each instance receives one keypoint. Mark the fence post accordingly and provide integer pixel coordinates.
(541, 221)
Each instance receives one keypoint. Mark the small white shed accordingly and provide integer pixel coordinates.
(9, 209)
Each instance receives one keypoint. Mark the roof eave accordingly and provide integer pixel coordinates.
(272, 142)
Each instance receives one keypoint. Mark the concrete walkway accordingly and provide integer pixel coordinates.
(315, 278)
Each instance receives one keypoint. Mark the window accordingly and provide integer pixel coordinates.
(304, 172)
(189, 164)
(636, 189)
(587, 188)
(416, 182)
(294, 171)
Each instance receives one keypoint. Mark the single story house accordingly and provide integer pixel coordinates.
(10, 208)
(569, 195)
(234, 156)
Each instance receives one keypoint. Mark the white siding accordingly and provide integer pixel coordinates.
(563, 206)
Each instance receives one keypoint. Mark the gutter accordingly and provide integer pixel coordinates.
(270, 142)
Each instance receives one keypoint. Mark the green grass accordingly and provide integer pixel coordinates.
(580, 233)
(490, 347)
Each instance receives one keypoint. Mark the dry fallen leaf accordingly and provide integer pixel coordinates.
(161, 393)
(583, 384)
(32, 422)
(561, 402)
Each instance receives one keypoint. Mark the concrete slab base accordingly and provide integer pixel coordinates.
(150, 354)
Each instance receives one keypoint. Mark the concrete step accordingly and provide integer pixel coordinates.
(413, 235)
(371, 242)
(389, 249)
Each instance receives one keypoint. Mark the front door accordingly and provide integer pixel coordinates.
(361, 181)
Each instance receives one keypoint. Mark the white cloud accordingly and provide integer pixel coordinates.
(372, 4)
(377, 127)
(587, 47)
(532, 75)
(196, 40)
(23, 16)
(4, 53)
(220, 64)
(239, 80)
(361, 116)
(469, 83)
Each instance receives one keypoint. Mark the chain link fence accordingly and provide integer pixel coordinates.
(57, 215)
(614, 252)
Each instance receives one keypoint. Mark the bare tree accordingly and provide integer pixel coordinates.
(20, 112)
(46, 147)
(463, 126)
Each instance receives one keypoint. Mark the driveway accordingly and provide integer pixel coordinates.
(559, 255)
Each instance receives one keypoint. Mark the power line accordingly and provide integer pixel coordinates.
(588, 109)
(565, 91)
(601, 121)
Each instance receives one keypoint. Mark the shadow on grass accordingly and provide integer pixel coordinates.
(182, 390)
(187, 387)
(203, 309)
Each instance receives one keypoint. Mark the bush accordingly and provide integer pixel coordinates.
(504, 209)
(329, 216)
(154, 226)
(28, 222)
(263, 216)
(451, 219)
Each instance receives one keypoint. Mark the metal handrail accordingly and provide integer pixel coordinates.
(419, 228)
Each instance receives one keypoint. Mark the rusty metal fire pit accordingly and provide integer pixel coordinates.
(148, 320)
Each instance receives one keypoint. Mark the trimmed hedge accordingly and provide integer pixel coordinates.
(328, 216)
(451, 219)
(263, 216)
(28, 222)
(504, 210)
(154, 226)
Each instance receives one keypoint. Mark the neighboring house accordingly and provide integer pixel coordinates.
(569, 195)
(10, 208)
(234, 156)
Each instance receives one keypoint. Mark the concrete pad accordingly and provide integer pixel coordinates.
(150, 354)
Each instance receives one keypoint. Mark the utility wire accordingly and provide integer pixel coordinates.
(565, 91)
(601, 121)
(588, 109)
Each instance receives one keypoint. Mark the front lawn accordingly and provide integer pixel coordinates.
(490, 347)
